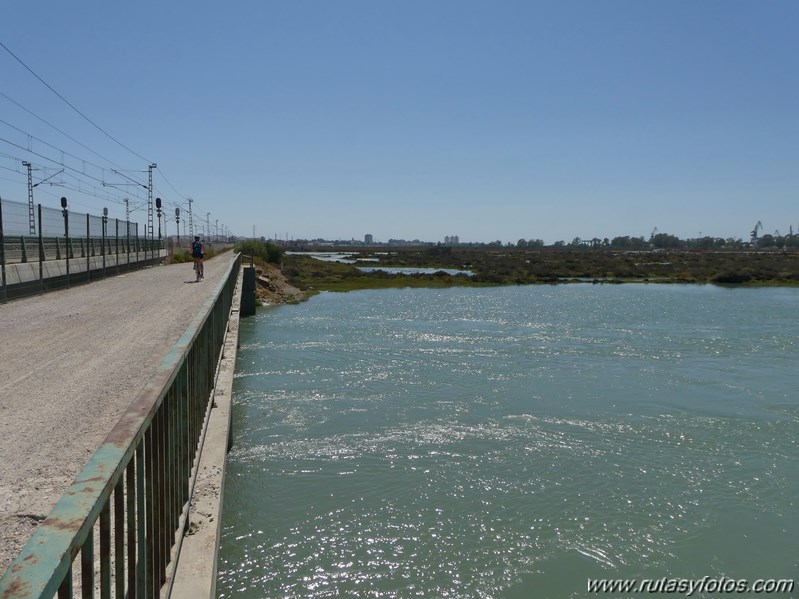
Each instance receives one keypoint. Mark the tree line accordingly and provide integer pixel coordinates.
(664, 241)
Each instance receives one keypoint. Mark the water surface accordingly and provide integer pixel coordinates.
(512, 442)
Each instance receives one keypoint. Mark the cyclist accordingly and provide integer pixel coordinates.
(197, 252)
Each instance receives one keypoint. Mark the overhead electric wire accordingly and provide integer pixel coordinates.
(82, 186)
(13, 170)
(85, 162)
(67, 135)
(64, 152)
(98, 127)
(131, 179)
(56, 162)
(180, 195)
(71, 138)
(45, 191)
(8, 156)
(68, 103)
(80, 159)
(97, 190)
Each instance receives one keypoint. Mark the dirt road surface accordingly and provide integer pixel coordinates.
(71, 361)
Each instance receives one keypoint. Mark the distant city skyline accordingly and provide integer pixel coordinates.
(658, 237)
(499, 120)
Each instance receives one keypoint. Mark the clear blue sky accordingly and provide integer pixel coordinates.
(417, 118)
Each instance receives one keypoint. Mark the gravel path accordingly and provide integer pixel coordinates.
(71, 361)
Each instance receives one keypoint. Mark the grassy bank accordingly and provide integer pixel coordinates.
(310, 274)
(503, 266)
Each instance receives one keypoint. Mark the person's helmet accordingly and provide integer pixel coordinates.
(196, 238)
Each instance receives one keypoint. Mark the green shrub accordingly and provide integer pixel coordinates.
(180, 257)
(260, 249)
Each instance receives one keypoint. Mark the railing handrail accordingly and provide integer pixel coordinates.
(47, 558)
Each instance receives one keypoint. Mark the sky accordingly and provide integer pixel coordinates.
(410, 119)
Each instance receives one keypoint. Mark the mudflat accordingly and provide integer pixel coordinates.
(71, 362)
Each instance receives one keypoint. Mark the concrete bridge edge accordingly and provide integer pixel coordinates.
(195, 566)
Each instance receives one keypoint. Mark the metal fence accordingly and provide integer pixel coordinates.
(49, 222)
(133, 493)
(69, 236)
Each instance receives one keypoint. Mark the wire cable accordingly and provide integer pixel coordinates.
(63, 152)
(67, 135)
(98, 127)
(102, 182)
(85, 162)
(68, 103)
(180, 195)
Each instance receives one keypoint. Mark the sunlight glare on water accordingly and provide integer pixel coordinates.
(512, 442)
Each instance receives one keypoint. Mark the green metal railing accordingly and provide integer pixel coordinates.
(135, 488)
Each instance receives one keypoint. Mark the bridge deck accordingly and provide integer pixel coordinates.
(71, 361)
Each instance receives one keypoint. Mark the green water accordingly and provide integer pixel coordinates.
(513, 442)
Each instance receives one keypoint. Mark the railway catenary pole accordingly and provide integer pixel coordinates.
(105, 223)
(191, 221)
(148, 234)
(31, 221)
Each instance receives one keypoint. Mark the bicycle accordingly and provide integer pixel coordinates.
(198, 271)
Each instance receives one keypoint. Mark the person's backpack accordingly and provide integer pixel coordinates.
(196, 248)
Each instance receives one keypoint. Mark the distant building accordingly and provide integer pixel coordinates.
(451, 240)
(368, 239)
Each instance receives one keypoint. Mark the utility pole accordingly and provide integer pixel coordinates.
(149, 232)
(31, 218)
(127, 221)
(207, 224)
(191, 223)
(216, 234)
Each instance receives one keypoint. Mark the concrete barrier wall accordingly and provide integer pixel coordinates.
(23, 278)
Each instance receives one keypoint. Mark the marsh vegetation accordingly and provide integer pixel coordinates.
(513, 266)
